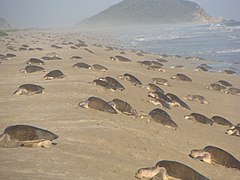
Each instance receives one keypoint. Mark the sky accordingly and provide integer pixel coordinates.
(67, 13)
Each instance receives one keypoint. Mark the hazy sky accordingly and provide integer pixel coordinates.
(63, 13)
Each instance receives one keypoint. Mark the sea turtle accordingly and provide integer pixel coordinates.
(229, 71)
(35, 61)
(166, 170)
(159, 95)
(29, 89)
(46, 58)
(120, 58)
(178, 67)
(73, 47)
(56, 46)
(39, 49)
(25, 45)
(32, 69)
(160, 81)
(206, 66)
(109, 49)
(216, 87)
(22, 49)
(161, 60)
(153, 88)
(181, 77)
(234, 131)
(51, 56)
(176, 101)
(99, 67)
(123, 107)
(132, 79)
(222, 121)
(103, 84)
(97, 104)
(160, 111)
(178, 56)
(194, 58)
(156, 68)
(201, 68)
(113, 82)
(82, 65)
(139, 54)
(55, 74)
(199, 118)
(215, 155)
(81, 44)
(223, 83)
(31, 49)
(156, 63)
(88, 50)
(76, 57)
(162, 117)
(25, 135)
(162, 103)
(196, 98)
(146, 62)
(233, 91)
(10, 55)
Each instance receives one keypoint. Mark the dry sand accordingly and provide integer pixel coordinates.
(97, 145)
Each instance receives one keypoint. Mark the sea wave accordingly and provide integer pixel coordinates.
(223, 27)
(228, 51)
(160, 38)
(232, 37)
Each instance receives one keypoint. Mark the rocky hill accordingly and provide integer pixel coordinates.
(4, 24)
(139, 12)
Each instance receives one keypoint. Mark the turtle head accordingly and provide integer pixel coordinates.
(196, 153)
(188, 117)
(208, 87)
(121, 77)
(174, 77)
(82, 104)
(102, 79)
(22, 71)
(147, 173)
(201, 155)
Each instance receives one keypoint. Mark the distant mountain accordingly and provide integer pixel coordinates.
(139, 12)
(4, 24)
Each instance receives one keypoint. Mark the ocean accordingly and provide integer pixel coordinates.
(218, 43)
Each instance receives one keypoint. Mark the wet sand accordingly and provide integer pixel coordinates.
(98, 145)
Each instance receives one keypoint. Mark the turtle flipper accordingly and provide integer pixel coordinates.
(7, 142)
(41, 143)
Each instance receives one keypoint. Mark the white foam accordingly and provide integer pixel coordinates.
(228, 51)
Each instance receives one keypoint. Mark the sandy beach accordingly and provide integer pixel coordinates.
(97, 145)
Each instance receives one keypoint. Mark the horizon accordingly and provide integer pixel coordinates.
(67, 13)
